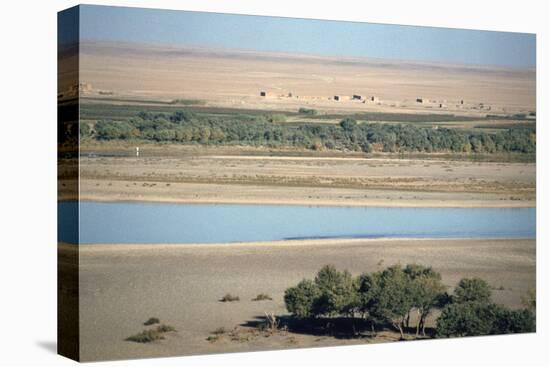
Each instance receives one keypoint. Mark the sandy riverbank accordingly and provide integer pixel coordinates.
(196, 177)
(123, 285)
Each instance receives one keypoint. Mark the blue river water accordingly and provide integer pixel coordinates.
(152, 223)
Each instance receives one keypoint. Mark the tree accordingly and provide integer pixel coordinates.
(367, 293)
(427, 292)
(392, 297)
(182, 116)
(299, 300)
(348, 124)
(472, 290)
(336, 292)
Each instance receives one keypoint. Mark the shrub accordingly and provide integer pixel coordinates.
(478, 318)
(146, 336)
(276, 118)
(219, 331)
(150, 335)
(307, 111)
(182, 116)
(262, 297)
(472, 290)
(107, 130)
(151, 321)
(271, 323)
(521, 321)
(84, 129)
(530, 300)
(229, 298)
(165, 328)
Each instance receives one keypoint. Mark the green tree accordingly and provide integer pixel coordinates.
(392, 297)
(182, 116)
(337, 293)
(427, 292)
(299, 300)
(367, 293)
(348, 124)
(472, 290)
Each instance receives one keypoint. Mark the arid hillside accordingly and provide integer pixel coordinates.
(236, 78)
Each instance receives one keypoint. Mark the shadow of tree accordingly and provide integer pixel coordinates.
(337, 327)
(340, 327)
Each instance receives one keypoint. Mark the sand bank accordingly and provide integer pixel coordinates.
(123, 285)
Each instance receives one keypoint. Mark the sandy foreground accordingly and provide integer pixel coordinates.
(121, 286)
(200, 177)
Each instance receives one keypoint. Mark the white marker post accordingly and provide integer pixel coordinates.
(137, 151)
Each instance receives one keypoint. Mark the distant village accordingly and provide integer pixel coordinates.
(372, 99)
(82, 89)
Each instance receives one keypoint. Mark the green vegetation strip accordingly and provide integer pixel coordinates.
(184, 126)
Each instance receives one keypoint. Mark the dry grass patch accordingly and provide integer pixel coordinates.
(146, 336)
(229, 298)
(151, 335)
(151, 321)
(262, 297)
(219, 331)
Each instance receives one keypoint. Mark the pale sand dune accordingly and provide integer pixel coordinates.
(234, 78)
(123, 285)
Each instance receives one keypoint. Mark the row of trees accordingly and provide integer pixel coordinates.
(391, 296)
(187, 127)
